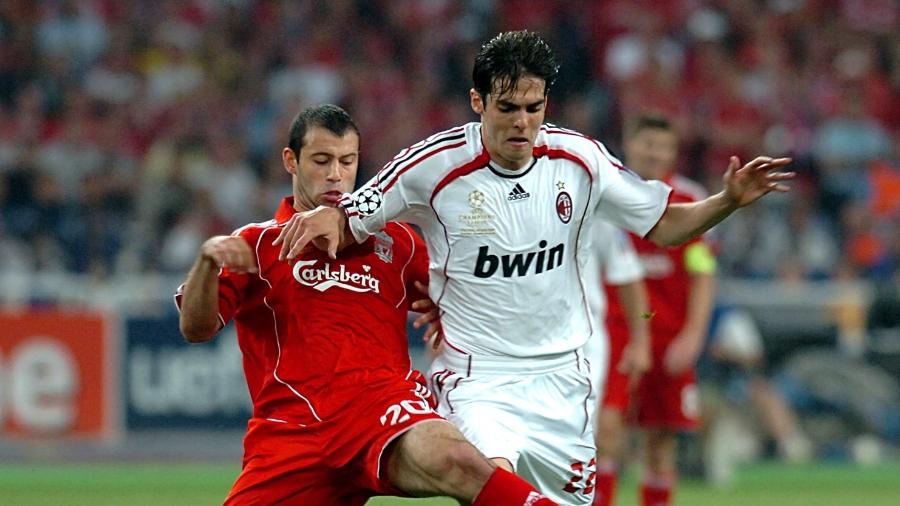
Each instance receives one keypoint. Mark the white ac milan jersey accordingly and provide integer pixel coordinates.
(508, 248)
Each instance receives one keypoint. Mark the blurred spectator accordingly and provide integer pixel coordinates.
(738, 347)
(115, 115)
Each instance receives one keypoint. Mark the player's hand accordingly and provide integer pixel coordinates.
(682, 353)
(762, 175)
(323, 226)
(231, 252)
(430, 316)
(635, 361)
(422, 388)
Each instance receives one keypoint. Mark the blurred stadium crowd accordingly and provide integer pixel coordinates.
(131, 130)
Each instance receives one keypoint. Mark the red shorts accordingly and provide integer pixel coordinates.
(616, 394)
(660, 401)
(336, 461)
(669, 402)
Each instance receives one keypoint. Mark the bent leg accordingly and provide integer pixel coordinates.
(435, 459)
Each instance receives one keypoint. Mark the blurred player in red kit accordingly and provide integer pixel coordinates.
(680, 282)
(338, 416)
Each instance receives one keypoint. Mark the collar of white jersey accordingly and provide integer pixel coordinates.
(507, 173)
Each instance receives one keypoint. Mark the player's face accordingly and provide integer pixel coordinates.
(510, 122)
(651, 152)
(326, 168)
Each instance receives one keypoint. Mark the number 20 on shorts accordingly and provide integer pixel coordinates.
(400, 412)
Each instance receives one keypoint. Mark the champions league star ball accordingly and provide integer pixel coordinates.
(368, 201)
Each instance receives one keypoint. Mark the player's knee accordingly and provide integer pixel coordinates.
(460, 466)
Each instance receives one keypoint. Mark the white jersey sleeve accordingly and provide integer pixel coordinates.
(403, 188)
(625, 199)
(619, 261)
(621, 196)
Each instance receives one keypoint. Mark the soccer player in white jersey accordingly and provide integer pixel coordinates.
(501, 204)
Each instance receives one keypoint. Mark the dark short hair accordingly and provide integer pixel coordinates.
(510, 56)
(645, 121)
(328, 116)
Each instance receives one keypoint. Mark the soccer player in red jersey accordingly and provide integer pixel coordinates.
(680, 282)
(338, 416)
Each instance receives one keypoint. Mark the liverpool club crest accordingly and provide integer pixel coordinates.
(384, 247)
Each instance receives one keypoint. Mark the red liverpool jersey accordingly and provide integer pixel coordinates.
(665, 275)
(315, 329)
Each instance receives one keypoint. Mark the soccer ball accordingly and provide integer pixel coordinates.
(368, 201)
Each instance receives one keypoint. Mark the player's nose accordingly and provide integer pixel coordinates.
(334, 171)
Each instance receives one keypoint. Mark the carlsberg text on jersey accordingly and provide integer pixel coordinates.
(520, 263)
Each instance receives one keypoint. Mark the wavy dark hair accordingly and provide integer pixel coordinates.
(508, 57)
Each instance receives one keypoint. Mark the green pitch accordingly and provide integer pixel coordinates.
(205, 484)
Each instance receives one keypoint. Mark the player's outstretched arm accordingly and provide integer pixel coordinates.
(325, 227)
(743, 186)
(199, 319)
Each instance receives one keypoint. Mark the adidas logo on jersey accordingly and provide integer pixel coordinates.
(519, 264)
(517, 193)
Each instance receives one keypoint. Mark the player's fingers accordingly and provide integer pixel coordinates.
(758, 162)
(423, 305)
(422, 287)
(284, 230)
(422, 319)
(334, 240)
(734, 163)
(298, 244)
(432, 331)
(774, 163)
(287, 238)
(781, 176)
(435, 334)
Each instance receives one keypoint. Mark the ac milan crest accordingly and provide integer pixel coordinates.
(564, 207)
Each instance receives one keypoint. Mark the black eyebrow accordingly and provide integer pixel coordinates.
(506, 103)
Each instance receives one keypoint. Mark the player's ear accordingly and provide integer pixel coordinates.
(289, 160)
(476, 102)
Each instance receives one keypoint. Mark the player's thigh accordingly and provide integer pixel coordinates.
(487, 411)
(559, 456)
(435, 458)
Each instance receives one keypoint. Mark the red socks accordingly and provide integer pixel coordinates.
(607, 475)
(656, 491)
(504, 488)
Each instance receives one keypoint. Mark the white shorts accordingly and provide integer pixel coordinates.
(537, 415)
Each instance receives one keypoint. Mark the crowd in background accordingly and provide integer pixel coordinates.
(131, 130)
